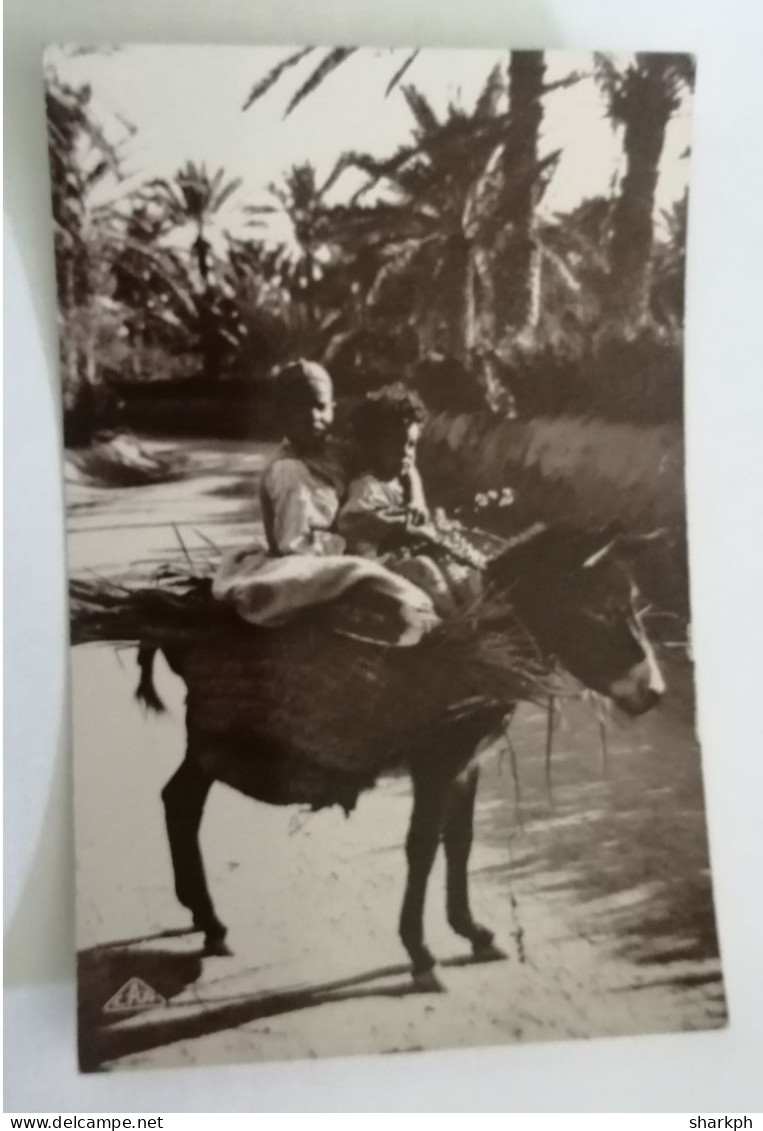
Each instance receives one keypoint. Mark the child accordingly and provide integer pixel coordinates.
(302, 485)
(304, 566)
(385, 516)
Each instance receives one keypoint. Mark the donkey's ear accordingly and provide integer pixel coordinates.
(626, 545)
(631, 545)
(599, 545)
(600, 554)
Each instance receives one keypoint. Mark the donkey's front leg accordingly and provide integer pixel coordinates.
(430, 792)
(458, 835)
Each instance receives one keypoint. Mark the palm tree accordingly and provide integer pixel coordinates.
(641, 98)
(495, 302)
(269, 325)
(81, 159)
(669, 266)
(517, 269)
(446, 236)
(301, 201)
(152, 282)
(573, 249)
(417, 232)
(193, 197)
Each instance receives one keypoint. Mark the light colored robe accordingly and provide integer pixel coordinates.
(303, 565)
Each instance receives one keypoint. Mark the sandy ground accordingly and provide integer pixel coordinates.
(600, 895)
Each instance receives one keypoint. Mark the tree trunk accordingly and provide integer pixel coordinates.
(514, 269)
(478, 332)
(201, 251)
(204, 307)
(631, 247)
(308, 290)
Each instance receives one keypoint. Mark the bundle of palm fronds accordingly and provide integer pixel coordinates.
(174, 606)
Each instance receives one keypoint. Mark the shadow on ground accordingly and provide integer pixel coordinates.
(104, 970)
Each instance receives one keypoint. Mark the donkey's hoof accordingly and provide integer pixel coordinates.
(215, 945)
(428, 982)
(214, 938)
(487, 950)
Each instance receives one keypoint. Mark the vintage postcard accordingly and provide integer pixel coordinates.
(372, 367)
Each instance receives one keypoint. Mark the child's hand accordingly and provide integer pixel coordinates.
(417, 514)
(426, 534)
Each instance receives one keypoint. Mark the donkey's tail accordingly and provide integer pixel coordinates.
(146, 692)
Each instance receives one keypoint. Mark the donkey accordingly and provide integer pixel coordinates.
(574, 594)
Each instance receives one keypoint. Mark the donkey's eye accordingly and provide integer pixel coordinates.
(600, 617)
(609, 613)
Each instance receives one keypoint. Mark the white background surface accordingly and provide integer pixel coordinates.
(702, 1072)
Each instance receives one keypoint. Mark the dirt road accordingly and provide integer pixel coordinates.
(600, 894)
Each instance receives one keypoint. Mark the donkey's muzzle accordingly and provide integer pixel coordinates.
(641, 689)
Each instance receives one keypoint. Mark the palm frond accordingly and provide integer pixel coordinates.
(481, 200)
(216, 181)
(271, 78)
(141, 250)
(333, 59)
(393, 82)
(373, 167)
(167, 191)
(562, 84)
(491, 93)
(401, 260)
(569, 279)
(443, 146)
(609, 78)
(130, 127)
(226, 192)
(379, 170)
(99, 141)
(97, 174)
(543, 171)
(423, 113)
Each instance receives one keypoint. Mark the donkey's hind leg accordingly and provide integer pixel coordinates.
(184, 796)
(458, 834)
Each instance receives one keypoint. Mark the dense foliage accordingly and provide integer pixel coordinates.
(442, 269)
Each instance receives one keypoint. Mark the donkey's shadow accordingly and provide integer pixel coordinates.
(103, 971)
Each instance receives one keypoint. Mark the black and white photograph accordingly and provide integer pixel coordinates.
(382, 687)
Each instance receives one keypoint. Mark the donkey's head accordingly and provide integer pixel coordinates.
(574, 593)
